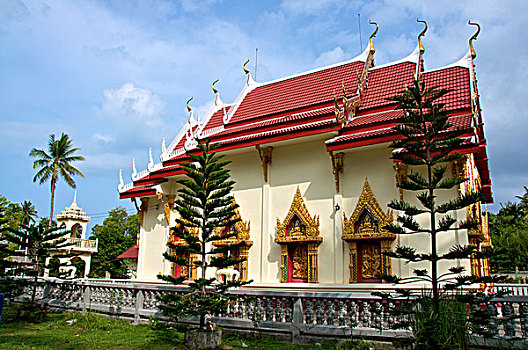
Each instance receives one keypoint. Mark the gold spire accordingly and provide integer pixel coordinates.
(216, 91)
(189, 109)
(371, 45)
(246, 71)
(474, 37)
(422, 50)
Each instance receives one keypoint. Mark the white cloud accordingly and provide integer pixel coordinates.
(102, 138)
(310, 6)
(329, 57)
(133, 102)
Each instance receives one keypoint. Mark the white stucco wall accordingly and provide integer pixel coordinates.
(307, 165)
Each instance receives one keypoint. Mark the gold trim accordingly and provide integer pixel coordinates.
(298, 227)
(215, 91)
(367, 223)
(371, 45)
(474, 37)
(168, 206)
(265, 159)
(246, 71)
(310, 232)
(400, 173)
(337, 167)
(242, 228)
(367, 202)
(422, 49)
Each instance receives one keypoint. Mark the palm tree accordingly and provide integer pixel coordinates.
(56, 163)
(28, 213)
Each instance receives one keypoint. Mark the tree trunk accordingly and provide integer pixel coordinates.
(52, 190)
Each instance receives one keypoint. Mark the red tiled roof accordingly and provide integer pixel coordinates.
(277, 121)
(216, 119)
(297, 92)
(131, 253)
(373, 118)
(454, 78)
(386, 82)
(278, 131)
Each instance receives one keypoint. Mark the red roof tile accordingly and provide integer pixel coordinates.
(131, 253)
(386, 82)
(297, 92)
(454, 78)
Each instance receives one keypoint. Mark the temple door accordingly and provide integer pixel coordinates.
(370, 262)
(298, 263)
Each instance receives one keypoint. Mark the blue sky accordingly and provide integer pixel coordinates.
(115, 75)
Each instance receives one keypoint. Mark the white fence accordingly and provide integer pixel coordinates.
(297, 313)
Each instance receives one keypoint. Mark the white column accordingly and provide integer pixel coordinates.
(141, 250)
(87, 263)
(265, 231)
(339, 264)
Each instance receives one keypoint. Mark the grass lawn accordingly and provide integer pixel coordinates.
(91, 331)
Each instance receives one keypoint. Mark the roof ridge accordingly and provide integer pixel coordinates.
(464, 62)
(362, 57)
(412, 58)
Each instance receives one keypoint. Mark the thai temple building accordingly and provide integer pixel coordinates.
(314, 174)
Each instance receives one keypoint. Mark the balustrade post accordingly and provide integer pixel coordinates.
(86, 299)
(139, 306)
(297, 320)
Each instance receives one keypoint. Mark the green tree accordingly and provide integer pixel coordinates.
(38, 243)
(117, 234)
(55, 164)
(429, 144)
(28, 213)
(10, 212)
(509, 234)
(204, 204)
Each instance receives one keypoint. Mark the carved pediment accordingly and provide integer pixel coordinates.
(368, 219)
(241, 229)
(298, 225)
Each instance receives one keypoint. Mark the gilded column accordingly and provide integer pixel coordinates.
(244, 252)
(313, 254)
(385, 260)
(353, 262)
(284, 263)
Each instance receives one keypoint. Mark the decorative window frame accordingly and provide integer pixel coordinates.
(243, 238)
(354, 234)
(190, 267)
(308, 235)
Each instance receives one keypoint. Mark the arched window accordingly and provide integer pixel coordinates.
(76, 231)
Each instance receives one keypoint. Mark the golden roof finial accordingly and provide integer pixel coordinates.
(422, 50)
(246, 71)
(371, 44)
(216, 91)
(474, 37)
(189, 109)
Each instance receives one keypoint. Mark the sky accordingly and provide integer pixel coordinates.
(115, 75)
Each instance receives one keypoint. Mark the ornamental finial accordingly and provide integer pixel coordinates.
(474, 37)
(189, 109)
(246, 71)
(371, 44)
(192, 122)
(215, 90)
(134, 171)
(422, 50)
(151, 160)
